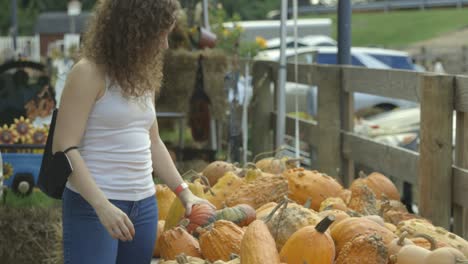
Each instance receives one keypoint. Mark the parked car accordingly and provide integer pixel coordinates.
(374, 58)
(307, 41)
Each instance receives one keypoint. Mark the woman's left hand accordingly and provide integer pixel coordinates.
(188, 199)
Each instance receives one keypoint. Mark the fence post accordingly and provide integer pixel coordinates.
(347, 125)
(460, 214)
(329, 123)
(464, 59)
(435, 162)
(261, 109)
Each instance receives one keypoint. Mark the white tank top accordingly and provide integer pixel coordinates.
(116, 145)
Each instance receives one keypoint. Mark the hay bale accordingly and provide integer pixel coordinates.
(30, 235)
(180, 69)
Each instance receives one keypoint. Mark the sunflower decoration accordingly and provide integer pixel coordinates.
(23, 127)
(39, 135)
(8, 136)
(7, 170)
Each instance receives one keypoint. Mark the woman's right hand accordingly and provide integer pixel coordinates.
(116, 222)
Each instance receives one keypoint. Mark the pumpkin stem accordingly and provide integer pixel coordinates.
(402, 238)
(308, 203)
(428, 238)
(268, 153)
(184, 223)
(325, 223)
(362, 175)
(250, 165)
(272, 213)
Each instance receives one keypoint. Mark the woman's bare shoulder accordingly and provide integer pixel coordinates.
(85, 77)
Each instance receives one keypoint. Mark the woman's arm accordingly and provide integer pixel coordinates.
(164, 168)
(84, 85)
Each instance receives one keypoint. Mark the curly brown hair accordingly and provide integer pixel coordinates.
(124, 37)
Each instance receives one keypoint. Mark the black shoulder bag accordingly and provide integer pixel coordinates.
(55, 168)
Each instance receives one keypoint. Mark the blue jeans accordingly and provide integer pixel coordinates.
(85, 240)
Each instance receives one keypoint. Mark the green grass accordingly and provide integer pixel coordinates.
(400, 28)
(36, 199)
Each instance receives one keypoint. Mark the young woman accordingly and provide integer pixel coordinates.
(107, 111)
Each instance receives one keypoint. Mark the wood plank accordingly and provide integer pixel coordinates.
(309, 131)
(435, 162)
(389, 83)
(329, 119)
(461, 93)
(392, 161)
(261, 108)
(460, 186)
(306, 73)
(460, 212)
(347, 125)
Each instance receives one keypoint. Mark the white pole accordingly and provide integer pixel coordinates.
(296, 78)
(206, 21)
(280, 94)
(245, 128)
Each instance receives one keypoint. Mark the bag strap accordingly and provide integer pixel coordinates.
(70, 148)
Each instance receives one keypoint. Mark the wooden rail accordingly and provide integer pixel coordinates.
(439, 171)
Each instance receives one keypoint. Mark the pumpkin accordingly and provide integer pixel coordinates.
(375, 218)
(225, 186)
(305, 184)
(445, 255)
(364, 249)
(310, 244)
(390, 227)
(263, 190)
(157, 246)
(396, 217)
(201, 215)
(349, 228)
(265, 209)
(184, 259)
(272, 165)
(258, 246)
(177, 210)
(382, 186)
(420, 226)
(333, 203)
(215, 170)
(338, 214)
(250, 172)
(165, 197)
(288, 220)
(345, 195)
(220, 239)
(176, 241)
(427, 244)
(241, 214)
(363, 200)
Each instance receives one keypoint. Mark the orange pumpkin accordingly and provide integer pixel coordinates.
(382, 186)
(305, 184)
(349, 228)
(157, 246)
(258, 246)
(177, 241)
(201, 215)
(311, 245)
(220, 239)
(364, 249)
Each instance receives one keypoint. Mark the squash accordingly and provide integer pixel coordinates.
(364, 249)
(398, 243)
(176, 241)
(419, 226)
(177, 210)
(410, 254)
(225, 186)
(184, 259)
(265, 209)
(382, 186)
(275, 165)
(363, 200)
(258, 246)
(445, 255)
(288, 220)
(157, 246)
(220, 239)
(202, 215)
(376, 218)
(310, 244)
(305, 184)
(241, 214)
(263, 190)
(215, 170)
(165, 197)
(349, 228)
(333, 203)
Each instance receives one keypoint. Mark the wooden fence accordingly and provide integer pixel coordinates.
(438, 171)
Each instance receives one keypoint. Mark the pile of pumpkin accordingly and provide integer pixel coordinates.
(272, 212)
